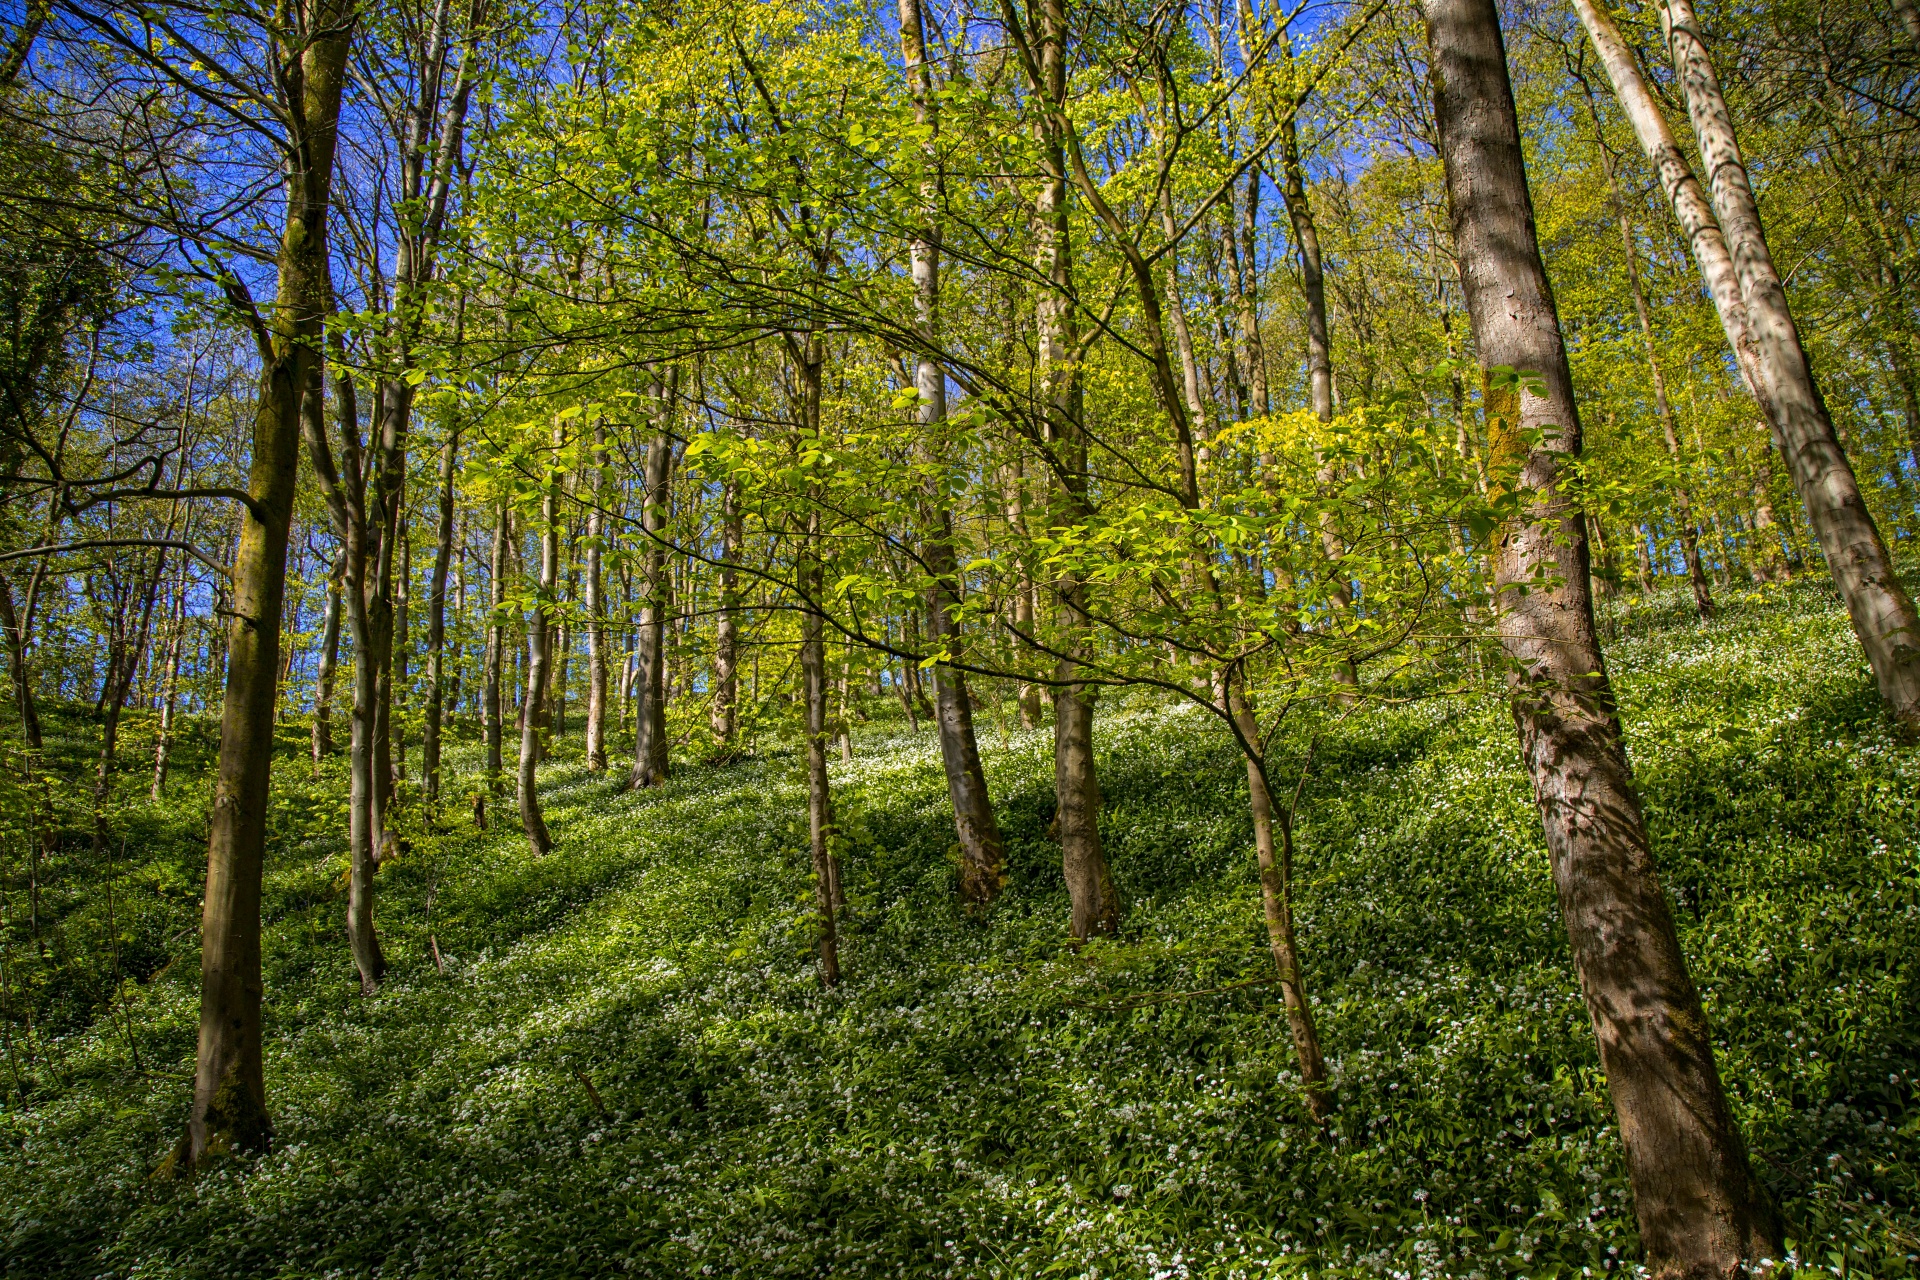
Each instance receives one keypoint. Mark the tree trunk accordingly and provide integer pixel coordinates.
(982, 853)
(437, 623)
(1728, 244)
(596, 603)
(492, 713)
(1698, 1208)
(650, 720)
(1095, 905)
(1656, 377)
(229, 1110)
(1882, 613)
(813, 671)
(1276, 900)
(724, 715)
(1313, 283)
(539, 659)
(329, 666)
(170, 688)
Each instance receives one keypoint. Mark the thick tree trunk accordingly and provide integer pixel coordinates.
(1698, 1208)
(229, 1110)
(1882, 613)
(437, 623)
(1728, 243)
(596, 603)
(650, 720)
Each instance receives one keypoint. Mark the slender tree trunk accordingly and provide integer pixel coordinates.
(1313, 282)
(723, 716)
(539, 659)
(1698, 1208)
(329, 666)
(17, 643)
(437, 623)
(491, 710)
(1656, 378)
(1276, 899)
(650, 722)
(982, 853)
(1095, 905)
(169, 688)
(596, 603)
(229, 1111)
(813, 672)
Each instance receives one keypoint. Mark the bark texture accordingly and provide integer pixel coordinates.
(1699, 1211)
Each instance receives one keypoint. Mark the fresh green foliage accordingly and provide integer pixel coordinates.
(628, 1064)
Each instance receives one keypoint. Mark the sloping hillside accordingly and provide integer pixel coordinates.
(627, 1064)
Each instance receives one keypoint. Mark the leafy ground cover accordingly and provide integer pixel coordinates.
(623, 1062)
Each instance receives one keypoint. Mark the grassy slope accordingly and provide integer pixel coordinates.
(971, 1102)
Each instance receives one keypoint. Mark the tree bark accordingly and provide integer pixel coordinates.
(982, 852)
(229, 1111)
(650, 719)
(539, 659)
(813, 672)
(329, 665)
(491, 710)
(596, 603)
(437, 622)
(170, 688)
(724, 714)
(1728, 244)
(1698, 1208)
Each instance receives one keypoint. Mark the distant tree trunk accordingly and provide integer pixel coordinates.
(596, 603)
(437, 622)
(1028, 695)
(229, 1111)
(122, 667)
(491, 709)
(539, 658)
(650, 724)
(1768, 560)
(170, 687)
(1698, 1208)
(1313, 282)
(17, 642)
(1656, 378)
(723, 715)
(329, 665)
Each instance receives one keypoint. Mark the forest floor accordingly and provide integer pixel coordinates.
(627, 1064)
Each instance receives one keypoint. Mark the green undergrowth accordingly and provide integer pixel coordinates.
(627, 1065)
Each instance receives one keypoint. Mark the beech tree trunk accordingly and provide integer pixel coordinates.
(982, 853)
(170, 688)
(492, 711)
(596, 603)
(813, 673)
(229, 1111)
(1698, 1208)
(723, 714)
(1728, 244)
(539, 660)
(437, 622)
(329, 665)
(650, 718)
(1095, 905)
